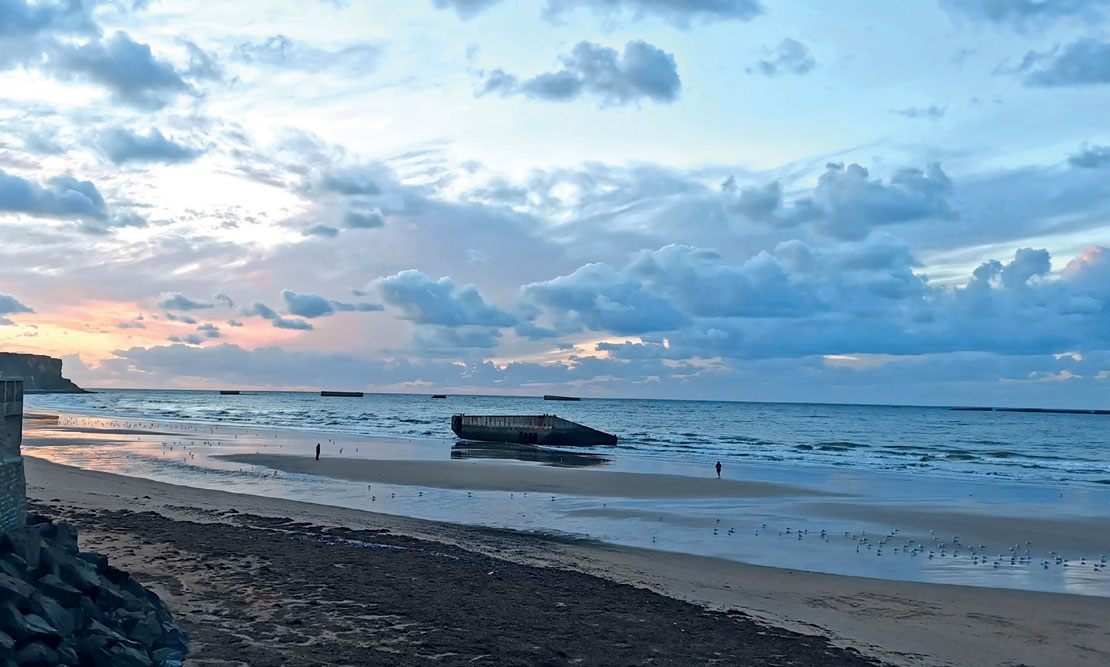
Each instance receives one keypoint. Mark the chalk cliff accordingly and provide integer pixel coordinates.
(40, 373)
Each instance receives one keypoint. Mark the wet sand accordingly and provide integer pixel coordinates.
(298, 583)
(493, 476)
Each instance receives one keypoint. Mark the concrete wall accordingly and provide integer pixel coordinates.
(13, 487)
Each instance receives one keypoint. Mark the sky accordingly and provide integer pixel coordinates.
(848, 201)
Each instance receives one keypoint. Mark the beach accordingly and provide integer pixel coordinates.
(206, 540)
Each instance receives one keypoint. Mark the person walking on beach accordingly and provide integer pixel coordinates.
(317, 451)
(718, 468)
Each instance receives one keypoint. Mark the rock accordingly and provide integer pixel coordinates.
(37, 626)
(56, 615)
(114, 575)
(80, 575)
(168, 657)
(63, 536)
(123, 655)
(174, 637)
(67, 654)
(13, 566)
(91, 611)
(27, 544)
(60, 590)
(36, 653)
(6, 642)
(14, 589)
(96, 560)
(13, 622)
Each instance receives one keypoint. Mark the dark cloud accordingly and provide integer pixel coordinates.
(281, 51)
(932, 111)
(312, 305)
(265, 312)
(642, 72)
(130, 324)
(9, 305)
(61, 197)
(184, 319)
(224, 299)
(178, 301)
(209, 330)
(466, 9)
(1082, 63)
(121, 145)
(190, 339)
(848, 204)
(789, 57)
(1090, 157)
(234, 323)
(363, 219)
(127, 68)
(439, 302)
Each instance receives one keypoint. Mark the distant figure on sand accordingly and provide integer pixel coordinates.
(318, 457)
(718, 466)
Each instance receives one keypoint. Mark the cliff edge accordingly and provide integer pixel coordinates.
(40, 373)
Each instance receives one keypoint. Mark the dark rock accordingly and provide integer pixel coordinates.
(55, 614)
(174, 637)
(114, 575)
(15, 589)
(27, 544)
(60, 590)
(36, 653)
(63, 536)
(37, 626)
(168, 657)
(36, 519)
(67, 653)
(12, 622)
(122, 655)
(6, 641)
(80, 575)
(96, 560)
(91, 611)
(13, 566)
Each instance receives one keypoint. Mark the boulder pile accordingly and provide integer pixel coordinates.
(59, 606)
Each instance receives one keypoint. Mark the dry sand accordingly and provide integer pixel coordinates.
(227, 569)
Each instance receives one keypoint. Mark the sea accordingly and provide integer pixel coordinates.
(933, 441)
(930, 494)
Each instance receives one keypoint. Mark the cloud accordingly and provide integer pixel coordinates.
(234, 323)
(202, 64)
(61, 197)
(439, 302)
(848, 204)
(224, 299)
(9, 305)
(642, 72)
(130, 324)
(466, 9)
(1090, 157)
(1022, 13)
(311, 305)
(122, 146)
(363, 219)
(178, 301)
(265, 312)
(209, 330)
(190, 339)
(321, 230)
(283, 52)
(679, 13)
(790, 57)
(185, 319)
(19, 18)
(1084, 62)
(932, 111)
(127, 68)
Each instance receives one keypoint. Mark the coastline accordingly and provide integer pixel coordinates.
(903, 623)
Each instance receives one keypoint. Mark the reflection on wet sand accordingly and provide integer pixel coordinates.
(465, 449)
